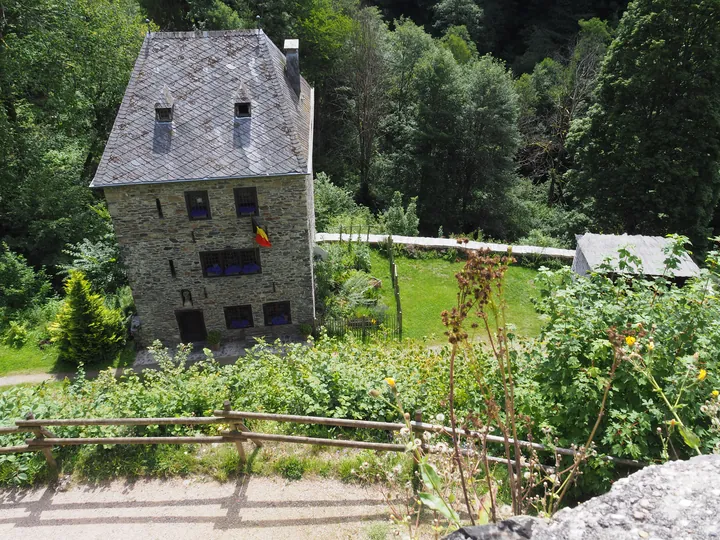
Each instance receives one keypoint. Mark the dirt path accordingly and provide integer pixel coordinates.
(249, 508)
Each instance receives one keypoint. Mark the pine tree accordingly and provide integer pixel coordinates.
(648, 153)
(85, 329)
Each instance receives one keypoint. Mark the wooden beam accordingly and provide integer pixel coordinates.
(19, 449)
(191, 420)
(76, 441)
(317, 441)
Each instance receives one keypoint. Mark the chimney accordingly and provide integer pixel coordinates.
(292, 63)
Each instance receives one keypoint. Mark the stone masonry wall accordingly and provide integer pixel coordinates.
(149, 242)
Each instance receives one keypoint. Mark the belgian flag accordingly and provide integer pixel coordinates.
(261, 236)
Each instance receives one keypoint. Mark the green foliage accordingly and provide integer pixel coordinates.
(85, 330)
(16, 335)
(457, 40)
(648, 153)
(673, 329)
(213, 338)
(21, 287)
(399, 220)
(453, 13)
(290, 467)
(99, 260)
(331, 201)
(63, 70)
(344, 286)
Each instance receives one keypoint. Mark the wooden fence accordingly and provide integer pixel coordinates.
(238, 432)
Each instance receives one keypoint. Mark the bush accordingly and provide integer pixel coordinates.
(85, 329)
(16, 335)
(330, 201)
(100, 260)
(401, 221)
(21, 287)
(672, 335)
(290, 467)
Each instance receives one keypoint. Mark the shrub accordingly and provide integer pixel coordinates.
(330, 201)
(290, 467)
(85, 329)
(399, 220)
(672, 335)
(100, 260)
(16, 335)
(21, 287)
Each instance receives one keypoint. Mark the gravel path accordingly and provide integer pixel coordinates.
(249, 508)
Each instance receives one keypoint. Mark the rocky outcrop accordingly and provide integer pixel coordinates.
(679, 500)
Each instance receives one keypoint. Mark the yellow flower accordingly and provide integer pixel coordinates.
(650, 346)
(715, 393)
(391, 382)
(630, 340)
(702, 375)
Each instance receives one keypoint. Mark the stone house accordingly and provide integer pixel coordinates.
(208, 162)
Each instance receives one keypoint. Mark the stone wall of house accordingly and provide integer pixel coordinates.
(149, 242)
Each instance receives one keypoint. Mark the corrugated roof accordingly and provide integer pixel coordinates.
(204, 72)
(598, 247)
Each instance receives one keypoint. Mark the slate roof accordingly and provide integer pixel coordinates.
(595, 248)
(203, 73)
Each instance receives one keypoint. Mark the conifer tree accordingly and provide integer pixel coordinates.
(85, 329)
(648, 154)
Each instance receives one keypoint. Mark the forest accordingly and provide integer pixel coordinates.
(525, 122)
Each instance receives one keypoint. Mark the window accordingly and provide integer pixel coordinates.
(230, 262)
(276, 313)
(246, 201)
(159, 208)
(163, 114)
(172, 268)
(198, 204)
(242, 110)
(238, 317)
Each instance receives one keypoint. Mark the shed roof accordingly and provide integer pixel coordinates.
(205, 72)
(649, 249)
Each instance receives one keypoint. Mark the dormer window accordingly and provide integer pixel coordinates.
(242, 109)
(163, 114)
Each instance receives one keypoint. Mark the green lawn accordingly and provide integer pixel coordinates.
(31, 359)
(427, 287)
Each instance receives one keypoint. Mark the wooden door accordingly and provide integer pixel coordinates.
(192, 325)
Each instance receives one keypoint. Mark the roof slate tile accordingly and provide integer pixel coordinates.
(203, 71)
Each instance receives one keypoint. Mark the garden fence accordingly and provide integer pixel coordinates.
(44, 439)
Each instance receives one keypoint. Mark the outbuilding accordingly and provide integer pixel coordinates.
(594, 249)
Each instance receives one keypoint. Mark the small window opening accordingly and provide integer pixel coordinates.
(246, 201)
(276, 313)
(163, 114)
(237, 317)
(159, 208)
(242, 110)
(172, 268)
(198, 204)
(186, 298)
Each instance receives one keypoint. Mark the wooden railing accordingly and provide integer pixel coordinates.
(44, 439)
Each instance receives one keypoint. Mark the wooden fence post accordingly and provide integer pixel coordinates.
(40, 434)
(341, 234)
(417, 479)
(239, 427)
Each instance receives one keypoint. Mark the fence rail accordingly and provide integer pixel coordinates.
(44, 440)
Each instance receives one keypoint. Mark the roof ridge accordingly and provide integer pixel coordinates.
(206, 33)
(294, 138)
